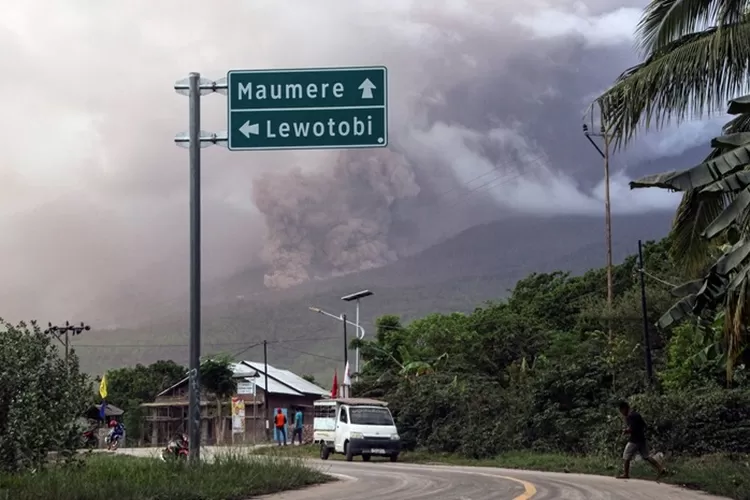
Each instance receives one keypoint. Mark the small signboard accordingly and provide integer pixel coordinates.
(246, 388)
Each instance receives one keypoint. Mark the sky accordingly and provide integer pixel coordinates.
(94, 193)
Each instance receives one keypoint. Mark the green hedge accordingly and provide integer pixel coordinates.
(698, 423)
(567, 414)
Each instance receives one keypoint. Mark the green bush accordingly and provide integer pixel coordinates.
(691, 422)
(40, 402)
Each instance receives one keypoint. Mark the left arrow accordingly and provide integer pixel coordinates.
(247, 129)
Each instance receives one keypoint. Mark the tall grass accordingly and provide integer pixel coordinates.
(100, 477)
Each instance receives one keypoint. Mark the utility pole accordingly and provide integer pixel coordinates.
(607, 213)
(67, 330)
(265, 392)
(646, 336)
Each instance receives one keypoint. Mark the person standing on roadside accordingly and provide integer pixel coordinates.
(280, 421)
(636, 431)
(297, 432)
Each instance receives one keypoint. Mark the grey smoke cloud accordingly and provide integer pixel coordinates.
(94, 194)
(316, 227)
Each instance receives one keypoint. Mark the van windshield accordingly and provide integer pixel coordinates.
(370, 416)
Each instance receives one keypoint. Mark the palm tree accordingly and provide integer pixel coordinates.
(696, 57)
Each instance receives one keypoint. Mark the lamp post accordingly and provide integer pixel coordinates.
(607, 212)
(360, 331)
(356, 297)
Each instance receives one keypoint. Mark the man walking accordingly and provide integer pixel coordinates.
(297, 426)
(636, 431)
(280, 421)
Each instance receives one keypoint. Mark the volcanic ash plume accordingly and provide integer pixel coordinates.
(332, 221)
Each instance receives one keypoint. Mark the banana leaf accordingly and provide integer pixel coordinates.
(689, 288)
(739, 105)
(678, 312)
(733, 214)
(701, 175)
(730, 184)
(731, 141)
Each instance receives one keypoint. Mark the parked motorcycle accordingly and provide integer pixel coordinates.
(89, 439)
(177, 449)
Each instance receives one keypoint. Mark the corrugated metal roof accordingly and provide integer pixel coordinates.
(275, 387)
(287, 378)
(242, 370)
(279, 381)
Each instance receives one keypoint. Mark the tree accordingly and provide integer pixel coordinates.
(129, 387)
(696, 58)
(725, 176)
(40, 402)
(217, 377)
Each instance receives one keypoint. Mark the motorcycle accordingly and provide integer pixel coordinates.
(89, 439)
(112, 441)
(177, 449)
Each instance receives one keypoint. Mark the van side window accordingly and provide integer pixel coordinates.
(342, 416)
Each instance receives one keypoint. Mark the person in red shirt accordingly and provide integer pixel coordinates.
(280, 421)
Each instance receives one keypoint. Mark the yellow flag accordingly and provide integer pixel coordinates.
(103, 386)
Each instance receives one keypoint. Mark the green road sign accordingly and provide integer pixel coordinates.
(328, 108)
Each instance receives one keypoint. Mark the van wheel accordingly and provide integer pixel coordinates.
(348, 452)
(394, 457)
(325, 451)
(365, 458)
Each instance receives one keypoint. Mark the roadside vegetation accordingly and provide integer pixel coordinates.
(99, 477)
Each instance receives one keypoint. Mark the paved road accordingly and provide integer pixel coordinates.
(384, 480)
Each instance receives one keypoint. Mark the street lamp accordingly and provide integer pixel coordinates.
(607, 211)
(360, 330)
(356, 297)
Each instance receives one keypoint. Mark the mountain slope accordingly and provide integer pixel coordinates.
(482, 263)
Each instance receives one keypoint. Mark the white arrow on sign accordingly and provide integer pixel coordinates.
(366, 87)
(248, 129)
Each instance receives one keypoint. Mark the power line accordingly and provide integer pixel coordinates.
(321, 356)
(211, 344)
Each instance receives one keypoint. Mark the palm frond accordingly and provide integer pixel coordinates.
(689, 77)
(664, 21)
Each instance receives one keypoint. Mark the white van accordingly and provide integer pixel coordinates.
(355, 427)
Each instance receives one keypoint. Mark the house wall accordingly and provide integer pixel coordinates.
(164, 421)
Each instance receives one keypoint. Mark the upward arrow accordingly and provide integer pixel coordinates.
(366, 87)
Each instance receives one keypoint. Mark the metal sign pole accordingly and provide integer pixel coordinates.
(194, 422)
(360, 93)
(194, 86)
